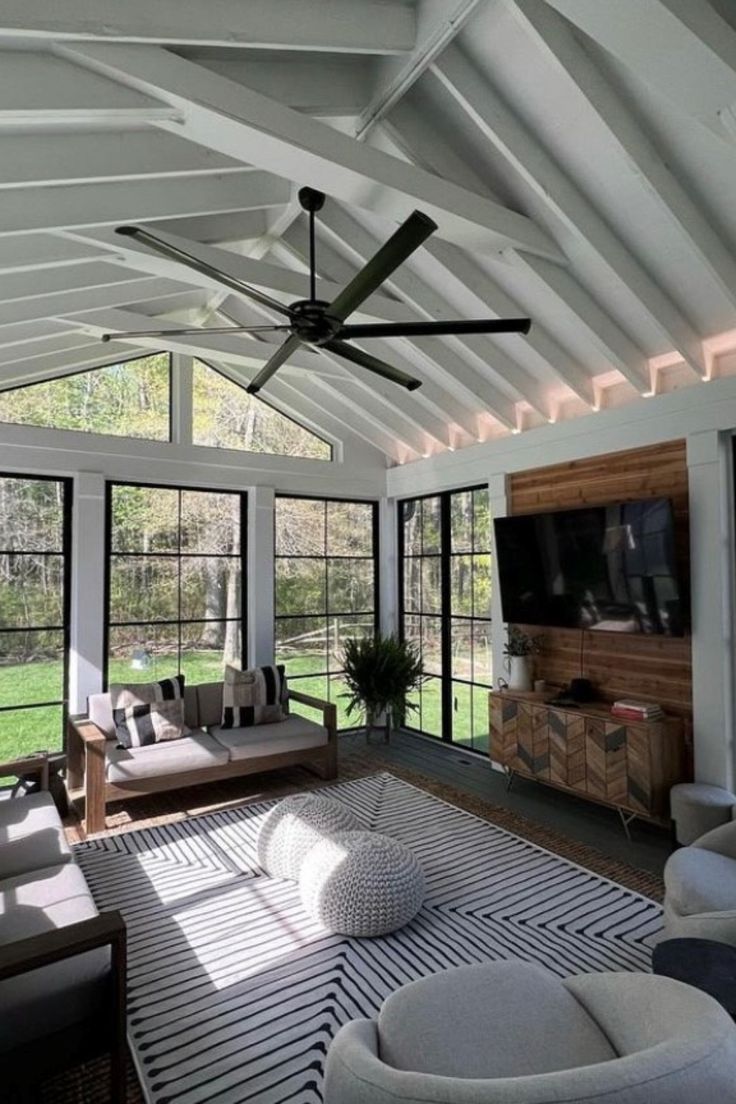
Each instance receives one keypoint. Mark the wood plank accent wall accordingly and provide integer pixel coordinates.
(652, 668)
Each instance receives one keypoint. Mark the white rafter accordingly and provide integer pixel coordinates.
(222, 115)
(358, 26)
(540, 171)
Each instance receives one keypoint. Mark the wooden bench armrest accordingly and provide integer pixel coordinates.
(38, 763)
(105, 930)
(87, 730)
(327, 709)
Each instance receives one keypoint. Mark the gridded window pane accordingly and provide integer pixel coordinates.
(210, 587)
(300, 527)
(350, 529)
(462, 649)
(481, 521)
(431, 526)
(462, 708)
(31, 515)
(23, 731)
(481, 740)
(31, 667)
(431, 585)
(131, 399)
(338, 690)
(144, 588)
(206, 646)
(412, 521)
(31, 590)
(482, 667)
(325, 577)
(413, 584)
(482, 586)
(210, 523)
(142, 653)
(350, 585)
(144, 519)
(301, 643)
(180, 611)
(431, 697)
(461, 581)
(461, 521)
(432, 644)
(300, 586)
(316, 686)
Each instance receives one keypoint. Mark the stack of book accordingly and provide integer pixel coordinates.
(636, 711)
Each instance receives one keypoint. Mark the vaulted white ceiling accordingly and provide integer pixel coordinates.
(578, 157)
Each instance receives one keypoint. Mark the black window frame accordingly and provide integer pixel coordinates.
(271, 406)
(67, 483)
(109, 624)
(96, 368)
(375, 559)
(445, 616)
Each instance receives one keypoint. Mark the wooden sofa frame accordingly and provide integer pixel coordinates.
(86, 765)
(37, 1060)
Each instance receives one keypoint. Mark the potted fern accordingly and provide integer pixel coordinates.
(380, 673)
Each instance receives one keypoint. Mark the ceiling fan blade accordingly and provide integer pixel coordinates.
(437, 329)
(373, 364)
(271, 366)
(200, 331)
(390, 256)
(175, 254)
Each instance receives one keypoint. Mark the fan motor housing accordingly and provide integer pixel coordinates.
(311, 323)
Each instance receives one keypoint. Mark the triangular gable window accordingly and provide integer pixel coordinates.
(226, 416)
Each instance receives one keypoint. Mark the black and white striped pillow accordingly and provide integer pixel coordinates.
(148, 712)
(253, 697)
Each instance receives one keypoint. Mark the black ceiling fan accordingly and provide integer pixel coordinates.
(323, 325)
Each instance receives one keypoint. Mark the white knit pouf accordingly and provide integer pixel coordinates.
(292, 828)
(361, 883)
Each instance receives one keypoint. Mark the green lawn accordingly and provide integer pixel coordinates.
(27, 730)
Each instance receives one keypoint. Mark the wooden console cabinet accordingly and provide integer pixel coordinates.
(627, 765)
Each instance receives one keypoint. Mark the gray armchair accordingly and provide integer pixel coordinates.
(512, 1033)
(700, 888)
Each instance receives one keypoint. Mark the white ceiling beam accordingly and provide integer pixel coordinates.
(58, 207)
(30, 332)
(338, 84)
(408, 128)
(491, 297)
(356, 26)
(427, 303)
(559, 42)
(437, 26)
(232, 228)
(54, 365)
(33, 252)
(525, 152)
(237, 121)
(60, 304)
(617, 347)
(17, 286)
(64, 342)
(289, 285)
(374, 428)
(32, 160)
(40, 89)
(685, 49)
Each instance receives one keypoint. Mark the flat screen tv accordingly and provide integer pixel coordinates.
(605, 568)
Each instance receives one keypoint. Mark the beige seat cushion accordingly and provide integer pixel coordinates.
(54, 997)
(31, 835)
(294, 734)
(195, 752)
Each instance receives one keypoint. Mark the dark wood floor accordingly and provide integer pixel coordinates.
(472, 773)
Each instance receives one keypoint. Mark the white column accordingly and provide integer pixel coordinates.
(181, 399)
(710, 480)
(260, 575)
(498, 497)
(87, 589)
(388, 595)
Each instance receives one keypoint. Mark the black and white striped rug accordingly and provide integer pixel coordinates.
(235, 994)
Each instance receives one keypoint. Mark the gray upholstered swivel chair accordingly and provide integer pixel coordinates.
(512, 1033)
(700, 888)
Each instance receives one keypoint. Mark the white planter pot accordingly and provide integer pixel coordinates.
(520, 672)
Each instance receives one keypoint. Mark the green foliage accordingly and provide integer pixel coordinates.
(381, 672)
(520, 644)
(124, 400)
